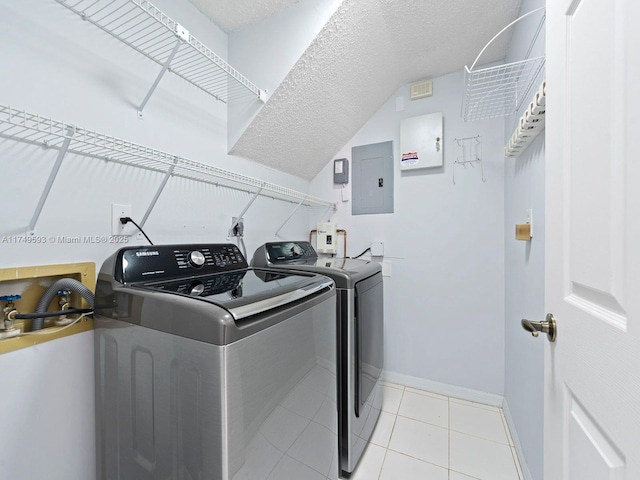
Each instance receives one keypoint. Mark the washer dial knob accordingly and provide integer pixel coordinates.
(196, 259)
(196, 289)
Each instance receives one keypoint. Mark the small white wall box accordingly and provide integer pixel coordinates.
(421, 142)
(341, 171)
(327, 240)
(377, 249)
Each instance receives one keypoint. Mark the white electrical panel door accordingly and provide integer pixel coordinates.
(421, 142)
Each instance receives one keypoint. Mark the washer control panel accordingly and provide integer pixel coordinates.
(159, 262)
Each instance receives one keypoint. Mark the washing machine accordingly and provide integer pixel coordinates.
(209, 369)
(359, 309)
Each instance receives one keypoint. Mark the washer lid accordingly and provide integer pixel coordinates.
(245, 292)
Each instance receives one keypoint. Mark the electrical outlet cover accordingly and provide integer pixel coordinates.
(377, 249)
(117, 228)
(239, 227)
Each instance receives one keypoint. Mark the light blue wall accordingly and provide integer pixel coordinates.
(524, 272)
(444, 300)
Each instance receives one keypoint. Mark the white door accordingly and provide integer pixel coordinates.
(592, 371)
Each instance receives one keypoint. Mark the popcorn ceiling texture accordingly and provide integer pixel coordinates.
(235, 14)
(365, 52)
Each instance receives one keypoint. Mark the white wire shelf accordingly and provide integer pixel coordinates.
(48, 133)
(141, 26)
(500, 90)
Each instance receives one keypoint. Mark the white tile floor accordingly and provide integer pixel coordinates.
(424, 436)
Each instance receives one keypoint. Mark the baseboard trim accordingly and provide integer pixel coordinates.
(444, 389)
(516, 441)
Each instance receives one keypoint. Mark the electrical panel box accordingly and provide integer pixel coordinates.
(341, 171)
(372, 178)
(327, 241)
(421, 142)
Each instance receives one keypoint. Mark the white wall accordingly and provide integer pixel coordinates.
(266, 51)
(444, 303)
(54, 64)
(524, 274)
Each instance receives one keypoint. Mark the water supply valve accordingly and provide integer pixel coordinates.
(7, 328)
(63, 298)
(63, 302)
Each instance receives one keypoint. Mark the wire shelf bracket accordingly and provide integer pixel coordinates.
(30, 128)
(241, 214)
(163, 184)
(165, 67)
(52, 177)
(289, 217)
(500, 90)
(146, 29)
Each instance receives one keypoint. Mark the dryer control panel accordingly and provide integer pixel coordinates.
(161, 262)
(282, 252)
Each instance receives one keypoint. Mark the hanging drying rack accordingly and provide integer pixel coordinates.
(143, 27)
(500, 90)
(471, 148)
(64, 137)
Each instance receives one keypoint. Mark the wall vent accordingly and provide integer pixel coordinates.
(421, 89)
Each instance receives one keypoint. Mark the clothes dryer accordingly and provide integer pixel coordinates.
(359, 308)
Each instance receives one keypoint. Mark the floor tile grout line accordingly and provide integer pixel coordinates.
(386, 450)
(481, 438)
(405, 454)
(422, 421)
(465, 474)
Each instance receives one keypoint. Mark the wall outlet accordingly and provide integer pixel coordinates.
(117, 228)
(238, 230)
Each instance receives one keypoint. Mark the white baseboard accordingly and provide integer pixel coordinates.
(444, 389)
(516, 441)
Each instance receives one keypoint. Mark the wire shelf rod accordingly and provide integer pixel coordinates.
(502, 31)
(49, 133)
(146, 29)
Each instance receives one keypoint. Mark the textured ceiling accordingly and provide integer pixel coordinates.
(234, 14)
(366, 51)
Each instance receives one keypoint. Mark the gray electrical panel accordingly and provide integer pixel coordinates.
(372, 178)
